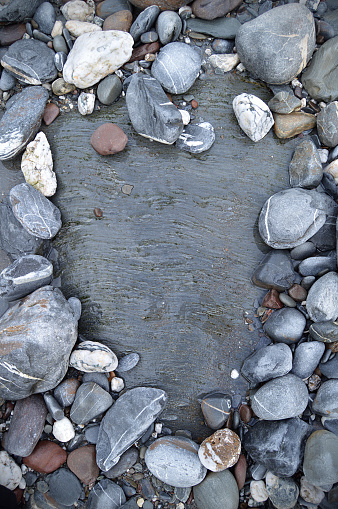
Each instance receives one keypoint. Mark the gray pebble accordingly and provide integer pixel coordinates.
(59, 44)
(109, 89)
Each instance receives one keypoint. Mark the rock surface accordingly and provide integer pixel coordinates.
(224, 28)
(306, 358)
(253, 115)
(90, 402)
(266, 363)
(211, 9)
(322, 299)
(10, 472)
(46, 457)
(57, 482)
(285, 325)
(287, 126)
(275, 271)
(216, 409)
(305, 168)
(82, 462)
(321, 458)
(283, 493)
(18, 10)
(327, 125)
(325, 402)
(92, 356)
(217, 491)
(106, 495)
(321, 77)
(37, 165)
(196, 138)
(78, 10)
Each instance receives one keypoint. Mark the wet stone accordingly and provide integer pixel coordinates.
(53, 407)
(305, 168)
(287, 126)
(108, 139)
(109, 89)
(82, 462)
(322, 299)
(196, 138)
(45, 17)
(65, 392)
(46, 457)
(90, 402)
(283, 492)
(330, 368)
(325, 402)
(86, 103)
(128, 362)
(57, 482)
(92, 356)
(266, 363)
(99, 378)
(216, 409)
(314, 265)
(15, 12)
(222, 28)
(327, 125)
(109, 7)
(271, 300)
(285, 325)
(287, 300)
(61, 87)
(253, 115)
(169, 26)
(321, 449)
(215, 489)
(284, 102)
(144, 21)
(275, 271)
(60, 59)
(219, 451)
(306, 358)
(126, 461)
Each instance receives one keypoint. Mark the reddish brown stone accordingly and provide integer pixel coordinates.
(50, 113)
(46, 457)
(11, 33)
(212, 9)
(194, 104)
(82, 462)
(108, 139)
(297, 292)
(98, 212)
(240, 471)
(245, 413)
(140, 52)
(121, 20)
(164, 5)
(18, 492)
(271, 300)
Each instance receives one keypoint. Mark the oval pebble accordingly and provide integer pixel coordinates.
(92, 356)
(220, 451)
(128, 362)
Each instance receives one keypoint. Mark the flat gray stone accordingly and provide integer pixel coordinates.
(126, 461)
(216, 409)
(65, 392)
(223, 28)
(109, 89)
(305, 168)
(16, 11)
(321, 458)
(60, 479)
(284, 102)
(306, 358)
(144, 21)
(326, 331)
(100, 379)
(325, 402)
(327, 125)
(90, 402)
(321, 77)
(106, 495)
(303, 251)
(128, 362)
(275, 270)
(285, 325)
(266, 363)
(315, 264)
(322, 299)
(217, 491)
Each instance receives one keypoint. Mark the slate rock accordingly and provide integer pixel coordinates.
(169, 26)
(176, 67)
(7, 81)
(126, 421)
(211, 9)
(326, 331)
(144, 21)
(325, 402)
(92, 356)
(327, 125)
(284, 102)
(277, 445)
(91, 433)
(217, 491)
(65, 392)
(21, 121)
(305, 168)
(196, 138)
(253, 116)
(275, 270)
(285, 325)
(280, 398)
(321, 77)
(82, 462)
(220, 450)
(45, 17)
(59, 44)
(291, 217)
(126, 461)
(222, 28)
(322, 299)
(283, 493)
(106, 495)
(57, 482)
(16, 11)
(26, 274)
(321, 458)
(109, 89)
(151, 113)
(38, 335)
(315, 264)
(46, 457)
(277, 45)
(266, 363)
(216, 409)
(287, 126)
(128, 362)
(100, 379)
(90, 402)
(330, 368)
(306, 358)
(26, 426)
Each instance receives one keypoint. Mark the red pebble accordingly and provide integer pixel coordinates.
(194, 104)
(240, 471)
(98, 212)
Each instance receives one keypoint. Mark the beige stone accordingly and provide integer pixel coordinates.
(226, 62)
(37, 165)
(332, 168)
(57, 28)
(79, 10)
(287, 126)
(220, 451)
(77, 28)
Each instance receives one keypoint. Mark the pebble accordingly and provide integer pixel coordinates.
(61, 87)
(225, 62)
(267, 363)
(149, 37)
(109, 89)
(43, 38)
(45, 17)
(212, 9)
(98, 212)
(222, 28)
(321, 449)
(117, 384)
(322, 299)
(330, 368)
(78, 10)
(82, 462)
(216, 409)
(59, 44)
(320, 78)
(65, 392)
(57, 482)
(128, 362)
(12, 33)
(258, 491)
(283, 492)
(253, 116)
(86, 103)
(46, 457)
(287, 300)
(332, 169)
(90, 402)
(109, 7)
(63, 430)
(306, 358)
(144, 21)
(77, 28)
(57, 28)
(60, 60)
(220, 451)
(285, 325)
(275, 271)
(310, 493)
(108, 139)
(223, 46)
(92, 356)
(271, 300)
(215, 489)
(106, 494)
(314, 265)
(305, 168)
(53, 407)
(10, 472)
(100, 379)
(7, 81)
(303, 251)
(196, 138)
(169, 26)
(284, 102)
(37, 165)
(325, 402)
(327, 125)
(121, 20)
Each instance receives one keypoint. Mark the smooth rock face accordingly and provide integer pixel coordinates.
(266, 363)
(277, 445)
(82, 462)
(176, 67)
(327, 125)
(196, 138)
(321, 458)
(277, 45)
(25, 275)
(305, 168)
(57, 483)
(10, 472)
(325, 402)
(92, 356)
(285, 325)
(37, 165)
(109, 89)
(217, 491)
(46, 457)
(121, 20)
(280, 398)
(63, 430)
(275, 271)
(128, 362)
(326, 331)
(106, 495)
(146, 96)
(100, 379)
(126, 421)
(38, 335)
(126, 461)
(95, 55)
(224, 28)
(306, 358)
(169, 26)
(39, 216)
(21, 122)
(30, 61)
(315, 264)
(211, 9)
(216, 409)
(220, 451)
(108, 139)
(253, 115)
(287, 126)
(65, 392)
(45, 17)
(321, 78)
(322, 299)
(291, 217)
(90, 402)
(283, 493)
(175, 461)
(330, 368)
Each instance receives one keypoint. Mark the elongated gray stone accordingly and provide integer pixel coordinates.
(126, 461)
(217, 491)
(127, 420)
(90, 402)
(306, 358)
(322, 299)
(330, 368)
(128, 362)
(315, 264)
(224, 28)
(267, 363)
(327, 125)
(321, 458)
(144, 21)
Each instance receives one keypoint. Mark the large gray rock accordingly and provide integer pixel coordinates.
(306, 358)
(37, 337)
(321, 77)
(217, 491)
(325, 402)
(285, 325)
(277, 45)
(106, 495)
(277, 445)
(283, 493)
(90, 402)
(321, 458)
(150, 111)
(305, 168)
(126, 421)
(15, 11)
(280, 398)
(175, 461)
(322, 299)
(266, 363)
(291, 217)
(21, 121)
(327, 125)
(275, 270)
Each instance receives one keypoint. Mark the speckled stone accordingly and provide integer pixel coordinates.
(305, 168)
(220, 451)
(92, 356)
(253, 115)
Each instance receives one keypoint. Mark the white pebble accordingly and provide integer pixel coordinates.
(22, 484)
(240, 67)
(117, 384)
(63, 430)
(57, 28)
(92, 356)
(303, 102)
(296, 83)
(86, 103)
(226, 62)
(158, 427)
(258, 491)
(234, 374)
(37, 165)
(310, 493)
(10, 472)
(185, 116)
(253, 115)
(323, 154)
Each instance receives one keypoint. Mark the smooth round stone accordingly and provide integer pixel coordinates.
(144, 21)
(283, 492)
(268, 362)
(7, 81)
(109, 89)
(169, 26)
(128, 362)
(327, 125)
(106, 495)
(82, 462)
(60, 60)
(163, 4)
(305, 168)
(332, 169)
(46, 457)
(307, 282)
(99, 378)
(109, 7)
(116, 384)
(330, 368)
(303, 251)
(280, 398)
(322, 299)
(287, 300)
(325, 402)
(126, 461)
(253, 116)
(314, 265)
(220, 451)
(218, 490)
(61, 87)
(174, 460)
(10, 472)
(45, 17)
(63, 430)
(108, 139)
(284, 102)
(306, 358)
(321, 458)
(40, 36)
(258, 491)
(196, 138)
(59, 44)
(121, 20)
(77, 28)
(223, 46)
(216, 409)
(224, 62)
(92, 356)
(285, 325)
(326, 331)
(149, 37)
(298, 293)
(65, 392)
(90, 402)
(86, 103)
(57, 483)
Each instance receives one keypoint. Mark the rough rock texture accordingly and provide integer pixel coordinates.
(283, 493)
(15, 11)
(220, 451)
(321, 77)
(322, 299)
(217, 491)
(37, 165)
(77, 28)
(267, 363)
(79, 10)
(38, 335)
(10, 472)
(321, 458)
(305, 168)
(277, 45)
(275, 270)
(253, 115)
(327, 125)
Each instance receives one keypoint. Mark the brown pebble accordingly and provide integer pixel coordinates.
(121, 20)
(82, 462)
(50, 113)
(240, 471)
(18, 492)
(9, 408)
(98, 212)
(194, 104)
(140, 52)
(111, 376)
(298, 92)
(11, 33)
(245, 413)
(46, 457)
(108, 139)
(297, 292)
(271, 300)
(320, 39)
(333, 346)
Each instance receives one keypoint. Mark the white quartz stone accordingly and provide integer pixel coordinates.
(226, 62)
(310, 493)
(117, 384)
(258, 491)
(79, 10)
(10, 472)
(77, 28)
(57, 28)
(86, 103)
(253, 115)
(92, 356)
(63, 430)
(95, 55)
(323, 155)
(37, 165)
(332, 168)
(185, 116)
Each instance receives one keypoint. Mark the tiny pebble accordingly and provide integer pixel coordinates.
(234, 374)
(140, 502)
(194, 104)
(98, 212)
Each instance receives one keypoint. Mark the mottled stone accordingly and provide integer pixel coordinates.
(322, 299)
(65, 392)
(327, 125)
(305, 168)
(108, 139)
(266, 363)
(86, 103)
(287, 126)
(285, 325)
(90, 402)
(92, 356)
(217, 491)
(121, 20)
(284, 102)
(258, 491)
(275, 271)
(10, 472)
(223, 28)
(310, 493)
(77, 28)
(306, 358)
(211, 9)
(220, 451)
(321, 458)
(253, 115)
(79, 10)
(325, 402)
(126, 461)
(224, 62)
(106, 495)
(321, 77)
(61, 87)
(223, 46)
(46, 457)
(37, 165)
(196, 138)
(283, 492)
(216, 409)
(82, 462)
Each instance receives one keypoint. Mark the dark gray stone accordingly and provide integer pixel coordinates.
(25, 275)
(16, 11)
(321, 458)
(26, 426)
(196, 138)
(45, 17)
(267, 363)
(315, 264)
(280, 398)
(216, 409)
(90, 402)
(325, 402)
(283, 492)
(37, 337)
(305, 168)
(277, 45)
(106, 495)
(322, 299)
(60, 59)
(75, 304)
(284, 102)
(325, 238)
(285, 325)
(327, 124)
(278, 445)
(126, 421)
(100, 379)
(7, 81)
(144, 21)
(60, 479)
(128, 362)
(40, 36)
(151, 112)
(275, 271)
(109, 89)
(330, 424)
(30, 61)
(176, 67)
(321, 77)
(126, 461)
(222, 28)
(223, 46)
(330, 368)
(91, 433)
(38, 215)
(217, 491)
(21, 121)
(59, 44)
(65, 392)
(149, 37)
(109, 7)
(53, 407)
(306, 358)
(326, 331)
(169, 26)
